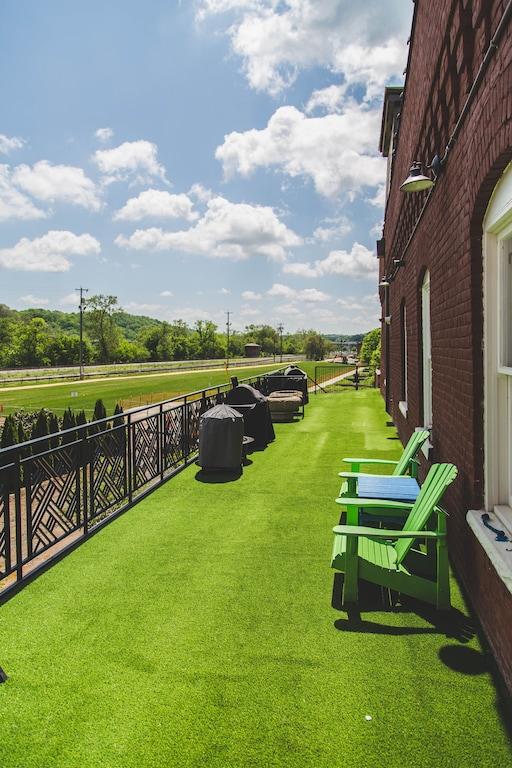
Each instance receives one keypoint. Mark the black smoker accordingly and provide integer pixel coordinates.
(254, 408)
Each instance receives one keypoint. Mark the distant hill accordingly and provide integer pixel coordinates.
(69, 322)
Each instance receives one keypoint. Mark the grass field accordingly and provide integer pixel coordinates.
(197, 630)
(132, 391)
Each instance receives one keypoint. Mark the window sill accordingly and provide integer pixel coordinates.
(402, 407)
(497, 551)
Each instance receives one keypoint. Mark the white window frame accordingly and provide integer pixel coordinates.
(497, 377)
(426, 351)
(402, 405)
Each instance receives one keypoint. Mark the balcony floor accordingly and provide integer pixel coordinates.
(198, 630)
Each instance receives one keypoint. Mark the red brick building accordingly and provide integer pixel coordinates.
(446, 281)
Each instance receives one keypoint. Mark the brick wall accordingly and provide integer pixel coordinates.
(448, 43)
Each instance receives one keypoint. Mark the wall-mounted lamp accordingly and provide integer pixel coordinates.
(386, 319)
(416, 180)
(384, 284)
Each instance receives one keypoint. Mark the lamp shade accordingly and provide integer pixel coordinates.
(416, 181)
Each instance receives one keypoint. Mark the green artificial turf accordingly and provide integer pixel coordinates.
(197, 630)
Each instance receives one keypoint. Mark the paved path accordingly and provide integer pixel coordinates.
(318, 387)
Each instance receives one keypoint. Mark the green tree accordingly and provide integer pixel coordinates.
(101, 326)
(68, 422)
(207, 342)
(371, 342)
(100, 412)
(131, 352)
(9, 433)
(40, 429)
(30, 343)
(315, 346)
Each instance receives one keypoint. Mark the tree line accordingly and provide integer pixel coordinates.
(38, 338)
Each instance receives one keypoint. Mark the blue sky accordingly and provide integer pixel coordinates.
(198, 156)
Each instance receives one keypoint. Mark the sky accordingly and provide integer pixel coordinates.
(198, 156)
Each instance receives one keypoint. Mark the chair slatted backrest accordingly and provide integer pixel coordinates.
(440, 476)
(411, 449)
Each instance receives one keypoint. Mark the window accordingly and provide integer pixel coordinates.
(403, 359)
(426, 351)
(505, 309)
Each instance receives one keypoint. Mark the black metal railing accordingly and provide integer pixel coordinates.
(56, 490)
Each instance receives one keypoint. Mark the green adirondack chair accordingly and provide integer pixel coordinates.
(406, 463)
(388, 557)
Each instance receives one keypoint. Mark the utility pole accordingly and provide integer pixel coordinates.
(280, 329)
(81, 307)
(228, 326)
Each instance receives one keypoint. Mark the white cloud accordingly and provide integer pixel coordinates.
(379, 199)
(339, 227)
(376, 230)
(337, 152)
(157, 204)
(63, 183)
(309, 295)
(34, 301)
(251, 296)
(288, 308)
(329, 99)
(137, 160)
(227, 230)
(202, 194)
(49, 253)
(167, 294)
(189, 314)
(299, 268)
(369, 302)
(140, 307)
(10, 143)
(359, 262)
(104, 134)
(13, 203)
(249, 312)
(363, 42)
(225, 291)
(70, 300)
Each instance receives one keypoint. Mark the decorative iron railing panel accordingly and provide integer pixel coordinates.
(53, 491)
(146, 445)
(175, 445)
(108, 475)
(5, 531)
(52, 497)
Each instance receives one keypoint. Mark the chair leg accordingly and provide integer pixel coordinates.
(352, 515)
(443, 577)
(350, 586)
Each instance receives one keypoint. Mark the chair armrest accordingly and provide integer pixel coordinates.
(376, 503)
(381, 533)
(359, 474)
(370, 461)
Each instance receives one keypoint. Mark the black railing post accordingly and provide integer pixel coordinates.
(27, 478)
(130, 458)
(184, 430)
(83, 453)
(17, 512)
(161, 441)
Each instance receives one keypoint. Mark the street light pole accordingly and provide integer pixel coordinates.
(81, 307)
(280, 329)
(228, 325)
